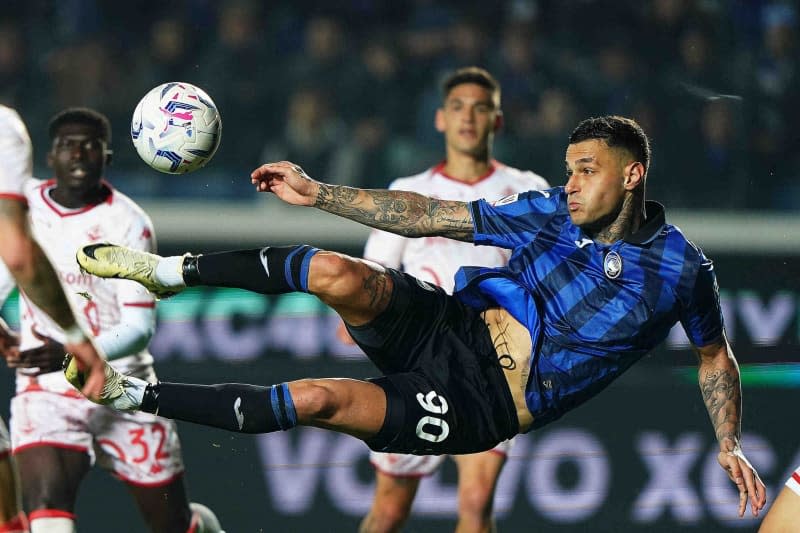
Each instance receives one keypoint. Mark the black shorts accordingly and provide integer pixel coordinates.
(445, 390)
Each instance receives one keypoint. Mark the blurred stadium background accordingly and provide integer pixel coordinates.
(348, 90)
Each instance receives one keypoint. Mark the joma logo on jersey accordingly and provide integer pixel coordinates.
(506, 200)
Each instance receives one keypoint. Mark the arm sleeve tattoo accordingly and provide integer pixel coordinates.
(402, 212)
(721, 389)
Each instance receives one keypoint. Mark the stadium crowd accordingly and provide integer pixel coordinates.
(348, 88)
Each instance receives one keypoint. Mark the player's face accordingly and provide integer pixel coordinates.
(468, 118)
(78, 157)
(596, 183)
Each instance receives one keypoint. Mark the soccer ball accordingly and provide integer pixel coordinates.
(176, 128)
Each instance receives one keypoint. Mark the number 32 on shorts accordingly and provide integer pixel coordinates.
(433, 403)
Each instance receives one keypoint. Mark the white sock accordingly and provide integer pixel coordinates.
(132, 394)
(53, 524)
(137, 391)
(169, 271)
(204, 519)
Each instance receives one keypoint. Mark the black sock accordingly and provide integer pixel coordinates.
(269, 270)
(232, 406)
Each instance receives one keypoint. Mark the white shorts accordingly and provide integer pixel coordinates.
(5, 442)
(794, 481)
(416, 466)
(139, 448)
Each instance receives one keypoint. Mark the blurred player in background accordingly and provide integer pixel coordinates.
(56, 433)
(469, 117)
(597, 279)
(35, 275)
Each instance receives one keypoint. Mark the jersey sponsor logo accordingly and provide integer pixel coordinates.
(506, 200)
(583, 242)
(612, 265)
(237, 409)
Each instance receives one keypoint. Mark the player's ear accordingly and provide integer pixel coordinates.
(439, 120)
(499, 120)
(634, 175)
(109, 156)
(50, 159)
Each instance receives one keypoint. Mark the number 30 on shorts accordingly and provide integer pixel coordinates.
(433, 403)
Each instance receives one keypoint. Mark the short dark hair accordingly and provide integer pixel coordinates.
(475, 75)
(81, 115)
(616, 131)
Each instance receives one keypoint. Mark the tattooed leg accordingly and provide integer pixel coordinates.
(358, 290)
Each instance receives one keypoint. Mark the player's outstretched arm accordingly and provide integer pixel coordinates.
(35, 276)
(405, 213)
(721, 388)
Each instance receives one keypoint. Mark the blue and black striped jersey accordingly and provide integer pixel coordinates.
(592, 309)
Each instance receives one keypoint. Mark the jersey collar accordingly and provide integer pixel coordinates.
(654, 221)
(493, 165)
(60, 210)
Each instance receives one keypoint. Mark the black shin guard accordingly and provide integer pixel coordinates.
(270, 270)
(232, 406)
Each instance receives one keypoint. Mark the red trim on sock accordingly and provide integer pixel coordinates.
(50, 513)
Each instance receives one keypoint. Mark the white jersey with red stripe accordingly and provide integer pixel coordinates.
(793, 482)
(139, 448)
(436, 259)
(16, 154)
(98, 303)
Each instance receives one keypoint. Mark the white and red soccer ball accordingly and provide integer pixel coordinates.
(176, 128)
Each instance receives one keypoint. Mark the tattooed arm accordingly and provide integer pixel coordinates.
(722, 394)
(405, 213)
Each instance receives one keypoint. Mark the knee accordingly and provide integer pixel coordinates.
(476, 501)
(330, 269)
(313, 400)
(386, 516)
(338, 279)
